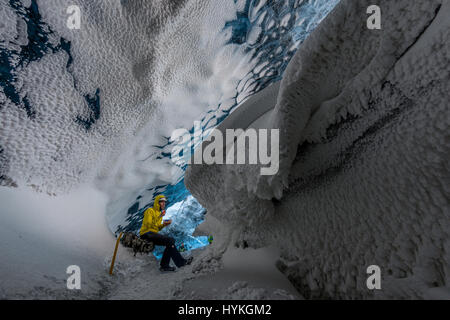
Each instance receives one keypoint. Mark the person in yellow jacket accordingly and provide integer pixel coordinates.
(151, 225)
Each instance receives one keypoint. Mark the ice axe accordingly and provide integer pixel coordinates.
(114, 255)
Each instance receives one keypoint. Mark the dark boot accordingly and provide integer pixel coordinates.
(167, 269)
(188, 261)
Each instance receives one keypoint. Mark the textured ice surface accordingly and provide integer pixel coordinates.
(364, 150)
(97, 105)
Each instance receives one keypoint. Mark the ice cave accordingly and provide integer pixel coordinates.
(87, 116)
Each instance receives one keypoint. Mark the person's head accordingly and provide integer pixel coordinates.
(162, 203)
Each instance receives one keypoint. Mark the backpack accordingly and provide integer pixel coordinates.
(130, 240)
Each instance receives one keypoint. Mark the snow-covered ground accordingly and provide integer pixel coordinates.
(44, 235)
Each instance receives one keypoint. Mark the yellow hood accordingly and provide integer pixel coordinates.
(156, 202)
(152, 220)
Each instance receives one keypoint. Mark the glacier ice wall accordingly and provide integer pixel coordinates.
(363, 117)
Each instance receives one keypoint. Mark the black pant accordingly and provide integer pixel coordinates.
(170, 252)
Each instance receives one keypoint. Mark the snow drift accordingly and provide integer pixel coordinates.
(363, 179)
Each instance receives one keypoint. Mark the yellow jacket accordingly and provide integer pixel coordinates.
(152, 218)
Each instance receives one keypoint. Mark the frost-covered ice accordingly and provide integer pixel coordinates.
(364, 149)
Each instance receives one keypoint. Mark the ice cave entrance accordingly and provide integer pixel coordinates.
(267, 33)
